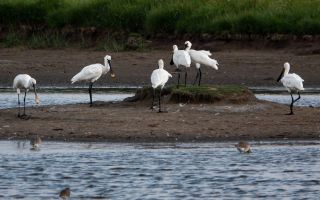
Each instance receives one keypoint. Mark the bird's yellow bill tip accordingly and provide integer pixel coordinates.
(37, 99)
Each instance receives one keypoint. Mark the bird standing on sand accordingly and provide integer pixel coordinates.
(159, 78)
(243, 147)
(200, 57)
(92, 73)
(65, 193)
(180, 57)
(24, 81)
(292, 82)
(35, 142)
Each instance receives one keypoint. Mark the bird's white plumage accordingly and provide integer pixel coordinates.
(90, 73)
(180, 57)
(201, 57)
(159, 77)
(292, 82)
(23, 81)
(93, 72)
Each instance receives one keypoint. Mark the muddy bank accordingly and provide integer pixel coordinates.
(135, 122)
(249, 63)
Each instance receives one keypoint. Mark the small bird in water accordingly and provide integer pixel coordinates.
(35, 142)
(243, 147)
(65, 193)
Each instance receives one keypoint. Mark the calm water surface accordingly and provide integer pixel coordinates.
(275, 170)
(9, 99)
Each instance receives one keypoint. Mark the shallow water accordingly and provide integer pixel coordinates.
(312, 100)
(274, 170)
(9, 99)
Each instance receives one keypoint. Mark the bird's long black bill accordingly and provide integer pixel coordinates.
(279, 78)
(112, 74)
(171, 62)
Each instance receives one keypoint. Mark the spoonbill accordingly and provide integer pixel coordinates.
(200, 57)
(92, 73)
(159, 78)
(180, 57)
(292, 82)
(65, 193)
(243, 147)
(25, 81)
(35, 142)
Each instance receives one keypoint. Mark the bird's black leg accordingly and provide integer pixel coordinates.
(196, 78)
(178, 79)
(185, 78)
(19, 105)
(298, 97)
(90, 93)
(200, 74)
(24, 103)
(291, 105)
(153, 95)
(160, 100)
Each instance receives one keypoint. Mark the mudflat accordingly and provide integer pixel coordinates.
(244, 63)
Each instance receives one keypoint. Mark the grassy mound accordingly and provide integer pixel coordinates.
(196, 94)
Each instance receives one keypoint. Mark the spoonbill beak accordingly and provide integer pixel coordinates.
(280, 76)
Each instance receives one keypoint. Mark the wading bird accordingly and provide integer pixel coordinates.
(24, 82)
(65, 193)
(292, 82)
(159, 78)
(243, 147)
(92, 73)
(200, 57)
(35, 142)
(180, 57)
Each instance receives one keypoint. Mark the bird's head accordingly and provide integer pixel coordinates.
(160, 64)
(34, 83)
(175, 48)
(187, 44)
(107, 59)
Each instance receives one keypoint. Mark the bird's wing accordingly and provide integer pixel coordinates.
(155, 78)
(182, 57)
(206, 52)
(88, 73)
(292, 81)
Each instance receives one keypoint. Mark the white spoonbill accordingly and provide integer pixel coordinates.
(180, 57)
(91, 73)
(243, 147)
(200, 57)
(24, 81)
(293, 82)
(159, 78)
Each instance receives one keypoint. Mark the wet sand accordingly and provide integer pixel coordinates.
(135, 122)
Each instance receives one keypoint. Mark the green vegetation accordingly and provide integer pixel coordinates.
(152, 17)
(199, 94)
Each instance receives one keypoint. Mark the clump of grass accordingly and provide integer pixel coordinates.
(210, 93)
(199, 94)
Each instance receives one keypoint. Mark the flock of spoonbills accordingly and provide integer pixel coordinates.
(159, 77)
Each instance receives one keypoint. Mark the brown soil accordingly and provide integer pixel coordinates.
(248, 62)
(128, 122)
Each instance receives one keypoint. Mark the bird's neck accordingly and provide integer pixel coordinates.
(188, 48)
(105, 67)
(286, 71)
